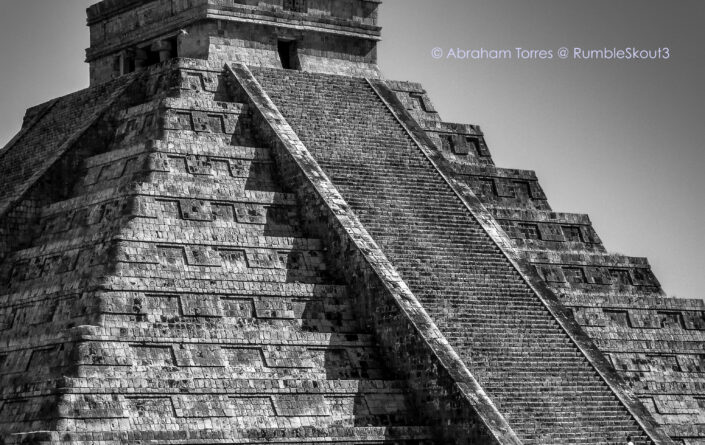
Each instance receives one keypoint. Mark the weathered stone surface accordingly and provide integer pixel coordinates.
(179, 299)
(338, 37)
(652, 341)
(457, 271)
(193, 253)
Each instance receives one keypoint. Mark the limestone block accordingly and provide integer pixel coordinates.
(588, 316)
(644, 277)
(617, 317)
(551, 232)
(194, 305)
(136, 253)
(598, 275)
(154, 306)
(551, 274)
(211, 81)
(32, 316)
(44, 359)
(504, 188)
(691, 363)
(102, 354)
(202, 405)
(244, 359)
(223, 212)
(644, 319)
(385, 404)
(202, 256)
(301, 405)
(535, 191)
(621, 277)
(7, 317)
(191, 81)
(273, 308)
(668, 404)
(589, 235)
(663, 363)
(256, 406)
(264, 259)
(694, 320)
(233, 260)
(159, 356)
(240, 168)
(230, 123)
(158, 162)
(287, 357)
(156, 408)
(250, 213)
(482, 148)
(203, 121)
(15, 361)
(199, 355)
(631, 362)
(166, 208)
(178, 120)
(196, 210)
(199, 165)
(237, 307)
(92, 406)
(140, 206)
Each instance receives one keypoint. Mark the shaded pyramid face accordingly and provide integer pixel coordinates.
(168, 293)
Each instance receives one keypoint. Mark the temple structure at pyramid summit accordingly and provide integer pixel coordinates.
(242, 234)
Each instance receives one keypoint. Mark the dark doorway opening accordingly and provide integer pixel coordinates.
(173, 45)
(289, 54)
(158, 52)
(295, 5)
(152, 57)
(128, 62)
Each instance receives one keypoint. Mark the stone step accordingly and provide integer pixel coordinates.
(336, 382)
(159, 155)
(252, 232)
(61, 291)
(223, 187)
(237, 235)
(236, 385)
(409, 435)
(198, 103)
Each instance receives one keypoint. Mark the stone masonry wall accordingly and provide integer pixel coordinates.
(338, 37)
(40, 144)
(174, 296)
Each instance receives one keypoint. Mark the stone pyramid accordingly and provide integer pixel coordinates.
(242, 234)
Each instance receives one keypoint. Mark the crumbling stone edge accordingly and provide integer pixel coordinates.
(39, 112)
(524, 268)
(7, 203)
(446, 393)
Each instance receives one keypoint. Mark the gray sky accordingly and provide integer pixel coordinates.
(619, 140)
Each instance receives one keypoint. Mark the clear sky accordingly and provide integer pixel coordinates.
(620, 140)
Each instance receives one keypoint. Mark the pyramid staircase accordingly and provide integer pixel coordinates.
(540, 381)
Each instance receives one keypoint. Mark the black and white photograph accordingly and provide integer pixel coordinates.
(352, 222)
